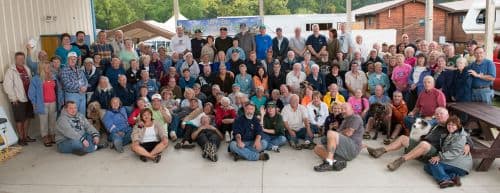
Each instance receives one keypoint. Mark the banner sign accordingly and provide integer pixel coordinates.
(211, 26)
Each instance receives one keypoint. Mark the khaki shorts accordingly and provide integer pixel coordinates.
(424, 158)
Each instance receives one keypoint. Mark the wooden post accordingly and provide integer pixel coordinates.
(176, 11)
(348, 9)
(261, 10)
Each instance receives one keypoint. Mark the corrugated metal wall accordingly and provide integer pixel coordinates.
(21, 20)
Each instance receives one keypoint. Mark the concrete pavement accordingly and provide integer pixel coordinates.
(39, 169)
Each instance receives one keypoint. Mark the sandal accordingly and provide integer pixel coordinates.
(188, 146)
(367, 136)
(178, 145)
(157, 159)
(388, 141)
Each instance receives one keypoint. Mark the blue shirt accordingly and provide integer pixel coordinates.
(316, 42)
(63, 53)
(246, 83)
(384, 100)
(247, 128)
(262, 44)
(183, 83)
(487, 68)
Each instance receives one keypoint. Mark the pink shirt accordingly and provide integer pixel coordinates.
(400, 74)
(358, 105)
(411, 61)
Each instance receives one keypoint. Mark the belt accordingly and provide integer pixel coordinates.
(481, 87)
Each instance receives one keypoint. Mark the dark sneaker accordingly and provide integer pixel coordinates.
(178, 145)
(308, 146)
(376, 152)
(188, 146)
(118, 146)
(236, 157)
(264, 156)
(446, 184)
(295, 146)
(456, 181)
(157, 159)
(396, 164)
(102, 146)
(79, 152)
(142, 158)
(325, 166)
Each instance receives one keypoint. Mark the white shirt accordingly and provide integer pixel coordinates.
(416, 73)
(179, 44)
(345, 41)
(294, 81)
(321, 114)
(149, 135)
(362, 48)
(294, 119)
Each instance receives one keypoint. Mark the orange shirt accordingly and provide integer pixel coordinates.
(262, 83)
(306, 100)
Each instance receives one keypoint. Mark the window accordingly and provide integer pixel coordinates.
(481, 18)
(421, 22)
(461, 18)
(371, 20)
(322, 26)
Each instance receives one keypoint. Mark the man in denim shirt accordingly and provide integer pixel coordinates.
(483, 73)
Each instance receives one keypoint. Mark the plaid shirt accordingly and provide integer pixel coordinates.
(73, 79)
(104, 50)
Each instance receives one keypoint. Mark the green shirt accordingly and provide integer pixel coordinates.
(274, 123)
(452, 61)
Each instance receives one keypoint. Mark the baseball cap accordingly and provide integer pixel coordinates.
(223, 29)
(197, 31)
(156, 96)
(262, 27)
(236, 85)
(72, 54)
(271, 104)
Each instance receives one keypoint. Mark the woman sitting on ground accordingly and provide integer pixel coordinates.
(115, 121)
(148, 138)
(451, 162)
(208, 137)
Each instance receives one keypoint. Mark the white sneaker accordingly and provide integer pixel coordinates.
(227, 137)
(307, 142)
(173, 136)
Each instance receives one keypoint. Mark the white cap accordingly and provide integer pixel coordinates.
(72, 54)
(156, 96)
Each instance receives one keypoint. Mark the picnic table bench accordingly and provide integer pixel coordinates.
(488, 117)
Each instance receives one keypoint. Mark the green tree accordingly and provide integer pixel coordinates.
(113, 13)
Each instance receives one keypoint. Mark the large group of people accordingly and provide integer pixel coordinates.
(254, 92)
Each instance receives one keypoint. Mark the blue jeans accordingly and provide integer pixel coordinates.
(441, 172)
(248, 152)
(484, 95)
(129, 110)
(300, 134)
(174, 126)
(274, 141)
(125, 139)
(72, 145)
(79, 99)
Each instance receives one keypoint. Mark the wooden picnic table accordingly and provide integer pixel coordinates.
(488, 117)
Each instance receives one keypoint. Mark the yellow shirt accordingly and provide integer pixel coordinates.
(327, 99)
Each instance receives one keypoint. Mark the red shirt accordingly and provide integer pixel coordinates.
(428, 101)
(221, 113)
(49, 91)
(25, 78)
(132, 119)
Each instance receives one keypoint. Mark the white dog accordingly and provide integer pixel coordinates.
(420, 128)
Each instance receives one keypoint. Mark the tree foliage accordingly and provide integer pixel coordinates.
(114, 13)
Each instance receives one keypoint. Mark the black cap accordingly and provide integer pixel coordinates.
(271, 105)
(223, 29)
(197, 31)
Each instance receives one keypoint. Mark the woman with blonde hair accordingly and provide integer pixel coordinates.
(42, 93)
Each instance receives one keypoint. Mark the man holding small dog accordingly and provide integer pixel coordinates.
(422, 150)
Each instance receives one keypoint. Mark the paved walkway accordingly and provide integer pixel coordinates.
(39, 169)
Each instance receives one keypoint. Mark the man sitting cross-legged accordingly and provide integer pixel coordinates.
(341, 145)
(422, 150)
(247, 133)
